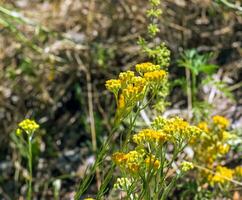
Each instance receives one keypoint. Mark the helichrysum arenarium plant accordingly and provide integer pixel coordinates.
(25, 131)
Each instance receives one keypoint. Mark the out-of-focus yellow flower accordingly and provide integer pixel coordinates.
(223, 148)
(89, 198)
(155, 76)
(186, 166)
(238, 171)
(151, 161)
(146, 67)
(113, 85)
(203, 126)
(27, 125)
(222, 175)
(220, 121)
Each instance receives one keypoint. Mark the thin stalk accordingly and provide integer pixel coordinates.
(30, 167)
(189, 94)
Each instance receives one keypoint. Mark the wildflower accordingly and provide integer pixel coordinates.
(223, 148)
(152, 161)
(89, 198)
(113, 85)
(27, 125)
(146, 67)
(125, 77)
(220, 121)
(176, 128)
(186, 166)
(222, 175)
(119, 158)
(155, 76)
(238, 171)
(130, 161)
(203, 126)
(139, 82)
(149, 135)
(123, 183)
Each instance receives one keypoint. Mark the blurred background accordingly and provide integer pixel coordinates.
(56, 55)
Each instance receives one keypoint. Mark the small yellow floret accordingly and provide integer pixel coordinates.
(220, 121)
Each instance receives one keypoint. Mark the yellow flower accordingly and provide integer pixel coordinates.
(125, 77)
(130, 161)
(139, 82)
(238, 171)
(222, 175)
(152, 161)
(119, 158)
(223, 148)
(89, 198)
(155, 76)
(113, 85)
(27, 125)
(146, 67)
(203, 126)
(186, 166)
(220, 121)
(149, 135)
(176, 128)
(121, 101)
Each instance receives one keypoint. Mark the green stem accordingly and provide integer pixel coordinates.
(30, 167)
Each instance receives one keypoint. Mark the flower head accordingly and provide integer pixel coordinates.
(27, 125)
(146, 67)
(113, 85)
(149, 135)
(186, 166)
(222, 175)
(220, 121)
(155, 76)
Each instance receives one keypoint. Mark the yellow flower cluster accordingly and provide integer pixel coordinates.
(126, 77)
(113, 85)
(203, 126)
(146, 67)
(130, 89)
(186, 166)
(123, 183)
(222, 175)
(212, 143)
(238, 171)
(27, 125)
(176, 128)
(135, 161)
(149, 135)
(155, 76)
(220, 121)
